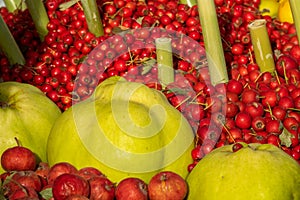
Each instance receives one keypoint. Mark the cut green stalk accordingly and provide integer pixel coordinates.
(13, 5)
(39, 16)
(164, 58)
(190, 3)
(9, 46)
(295, 8)
(212, 41)
(262, 46)
(92, 16)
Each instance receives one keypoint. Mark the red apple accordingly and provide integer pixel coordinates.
(23, 194)
(69, 184)
(167, 185)
(28, 179)
(18, 158)
(89, 172)
(131, 188)
(101, 188)
(59, 169)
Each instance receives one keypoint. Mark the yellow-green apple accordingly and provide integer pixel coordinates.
(245, 171)
(125, 129)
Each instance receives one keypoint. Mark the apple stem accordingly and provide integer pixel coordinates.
(17, 141)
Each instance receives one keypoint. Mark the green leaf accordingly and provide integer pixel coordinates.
(177, 90)
(147, 65)
(46, 193)
(67, 4)
(285, 138)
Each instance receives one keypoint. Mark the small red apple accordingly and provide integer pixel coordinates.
(101, 188)
(131, 188)
(24, 193)
(28, 179)
(18, 158)
(167, 185)
(89, 172)
(59, 169)
(69, 184)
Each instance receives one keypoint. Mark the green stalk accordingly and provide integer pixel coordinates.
(212, 41)
(39, 16)
(262, 45)
(9, 46)
(295, 8)
(164, 60)
(92, 16)
(13, 5)
(190, 3)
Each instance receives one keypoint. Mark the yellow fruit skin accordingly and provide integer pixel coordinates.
(114, 131)
(29, 117)
(284, 12)
(254, 172)
(269, 7)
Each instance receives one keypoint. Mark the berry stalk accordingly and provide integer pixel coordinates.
(212, 41)
(295, 8)
(93, 17)
(9, 46)
(262, 46)
(164, 60)
(39, 16)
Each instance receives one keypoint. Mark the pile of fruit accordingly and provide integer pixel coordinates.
(70, 62)
(26, 179)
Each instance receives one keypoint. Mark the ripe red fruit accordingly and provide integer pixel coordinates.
(101, 188)
(59, 169)
(269, 98)
(234, 86)
(237, 146)
(258, 123)
(167, 185)
(274, 126)
(249, 96)
(18, 159)
(285, 63)
(69, 184)
(89, 172)
(243, 120)
(131, 189)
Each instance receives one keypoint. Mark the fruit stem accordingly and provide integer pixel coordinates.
(212, 41)
(9, 46)
(13, 5)
(92, 16)
(262, 46)
(164, 61)
(295, 8)
(39, 16)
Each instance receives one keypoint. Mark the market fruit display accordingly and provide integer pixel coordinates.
(67, 64)
(245, 171)
(26, 115)
(125, 129)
